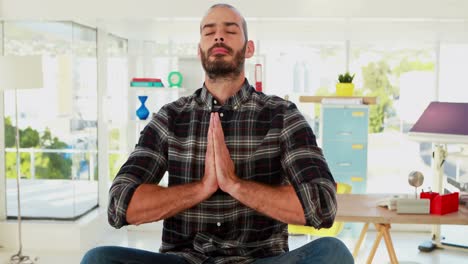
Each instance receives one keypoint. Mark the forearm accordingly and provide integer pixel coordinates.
(278, 202)
(151, 202)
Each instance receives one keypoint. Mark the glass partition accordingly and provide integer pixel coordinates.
(57, 123)
(117, 100)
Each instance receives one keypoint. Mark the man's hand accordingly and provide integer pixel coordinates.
(209, 181)
(278, 202)
(225, 171)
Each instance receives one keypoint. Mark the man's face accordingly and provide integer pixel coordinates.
(222, 45)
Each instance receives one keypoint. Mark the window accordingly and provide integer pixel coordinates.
(402, 76)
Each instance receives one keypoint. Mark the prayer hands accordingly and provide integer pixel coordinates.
(219, 167)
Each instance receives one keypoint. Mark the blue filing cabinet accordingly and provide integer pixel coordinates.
(343, 133)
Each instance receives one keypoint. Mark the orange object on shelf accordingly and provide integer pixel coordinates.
(441, 204)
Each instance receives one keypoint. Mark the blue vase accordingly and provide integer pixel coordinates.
(142, 112)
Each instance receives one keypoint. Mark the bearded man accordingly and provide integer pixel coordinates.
(242, 165)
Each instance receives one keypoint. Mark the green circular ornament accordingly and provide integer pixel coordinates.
(175, 79)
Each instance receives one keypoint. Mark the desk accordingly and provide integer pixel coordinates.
(363, 208)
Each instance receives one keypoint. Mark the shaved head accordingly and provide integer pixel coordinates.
(244, 24)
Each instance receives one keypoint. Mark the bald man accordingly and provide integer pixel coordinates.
(242, 165)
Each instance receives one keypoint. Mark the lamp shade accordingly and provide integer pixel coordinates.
(442, 122)
(21, 72)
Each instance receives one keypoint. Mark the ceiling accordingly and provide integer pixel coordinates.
(153, 19)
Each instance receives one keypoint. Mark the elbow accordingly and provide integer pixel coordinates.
(114, 220)
(328, 222)
(322, 215)
(116, 213)
(119, 199)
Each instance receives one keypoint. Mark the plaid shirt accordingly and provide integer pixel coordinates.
(269, 141)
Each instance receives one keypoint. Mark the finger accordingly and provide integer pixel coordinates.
(221, 151)
(210, 127)
(218, 129)
(210, 135)
(209, 158)
(216, 133)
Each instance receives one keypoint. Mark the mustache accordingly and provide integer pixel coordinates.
(220, 45)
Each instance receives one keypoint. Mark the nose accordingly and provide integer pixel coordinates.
(220, 39)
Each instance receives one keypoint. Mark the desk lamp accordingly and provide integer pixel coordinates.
(441, 123)
(20, 72)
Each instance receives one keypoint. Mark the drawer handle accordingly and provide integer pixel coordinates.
(357, 146)
(357, 179)
(357, 113)
(344, 164)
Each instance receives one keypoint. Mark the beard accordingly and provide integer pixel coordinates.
(219, 68)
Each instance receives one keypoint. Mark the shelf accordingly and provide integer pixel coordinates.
(368, 100)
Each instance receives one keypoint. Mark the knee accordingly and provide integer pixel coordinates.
(334, 250)
(331, 243)
(95, 255)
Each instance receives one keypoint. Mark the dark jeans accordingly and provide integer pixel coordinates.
(327, 250)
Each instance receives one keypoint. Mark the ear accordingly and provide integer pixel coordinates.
(198, 51)
(250, 49)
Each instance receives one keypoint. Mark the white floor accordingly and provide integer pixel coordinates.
(405, 243)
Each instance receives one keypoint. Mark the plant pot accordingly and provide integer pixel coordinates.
(344, 89)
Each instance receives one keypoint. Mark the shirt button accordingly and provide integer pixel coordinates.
(215, 102)
(221, 114)
(218, 224)
(235, 107)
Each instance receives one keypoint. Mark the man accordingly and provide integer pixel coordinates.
(241, 166)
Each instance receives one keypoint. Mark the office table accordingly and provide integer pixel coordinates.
(363, 208)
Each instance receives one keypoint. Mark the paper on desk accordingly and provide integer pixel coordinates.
(391, 201)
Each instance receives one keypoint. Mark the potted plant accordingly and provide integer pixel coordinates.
(345, 85)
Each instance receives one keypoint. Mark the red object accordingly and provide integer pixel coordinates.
(258, 77)
(428, 195)
(258, 86)
(441, 204)
(146, 80)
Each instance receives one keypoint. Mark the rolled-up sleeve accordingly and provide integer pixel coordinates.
(307, 170)
(146, 164)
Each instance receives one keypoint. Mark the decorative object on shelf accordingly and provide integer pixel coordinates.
(175, 79)
(415, 179)
(258, 77)
(345, 85)
(20, 72)
(142, 112)
(146, 82)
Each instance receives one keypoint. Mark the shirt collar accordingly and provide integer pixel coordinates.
(234, 101)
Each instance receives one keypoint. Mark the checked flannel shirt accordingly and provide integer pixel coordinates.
(269, 141)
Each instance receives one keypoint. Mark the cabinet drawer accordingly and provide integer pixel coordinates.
(345, 123)
(345, 156)
(358, 181)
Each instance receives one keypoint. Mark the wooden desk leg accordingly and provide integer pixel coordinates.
(388, 242)
(360, 240)
(376, 244)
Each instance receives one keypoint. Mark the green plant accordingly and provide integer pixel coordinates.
(346, 78)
